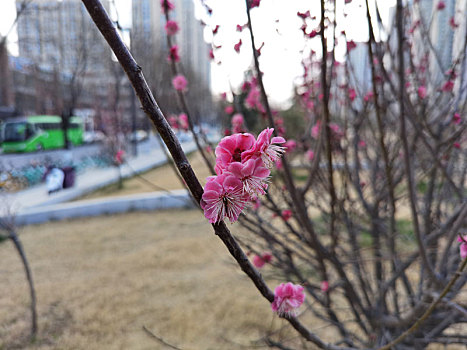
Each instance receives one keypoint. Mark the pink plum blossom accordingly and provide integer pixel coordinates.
(229, 109)
(253, 175)
(237, 119)
(352, 94)
(456, 118)
(258, 261)
(422, 91)
(315, 129)
(171, 27)
(310, 155)
(457, 145)
(231, 149)
(361, 143)
(173, 121)
(287, 299)
(286, 214)
(253, 98)
(267, 148)
(448, 86)
(183, 121)
(223, 197)
(368, 96)
(324, 286)
(179, 83)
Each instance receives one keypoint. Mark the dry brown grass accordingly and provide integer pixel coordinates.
(100, 280)
(163, 177)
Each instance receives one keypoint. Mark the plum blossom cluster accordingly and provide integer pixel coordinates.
(243, 167)
(287, 299)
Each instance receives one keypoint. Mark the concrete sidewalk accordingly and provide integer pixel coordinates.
(105, 206)
(30, 200)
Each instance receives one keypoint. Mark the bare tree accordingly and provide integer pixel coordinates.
(368, 223)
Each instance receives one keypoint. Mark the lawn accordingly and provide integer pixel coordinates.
(100, 280)
(157, 179)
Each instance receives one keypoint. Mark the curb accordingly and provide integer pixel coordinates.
(105, 206)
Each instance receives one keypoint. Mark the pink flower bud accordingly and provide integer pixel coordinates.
(310, 155)
(171, 27)
(179, 83)
(167, 5)
(286, 214)
(238, 45)
(173, 54)
(448, 86)
(422, 92)
(351, 45)
(324, 286)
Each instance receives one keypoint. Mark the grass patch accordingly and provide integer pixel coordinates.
(157, 179)
(100, 280)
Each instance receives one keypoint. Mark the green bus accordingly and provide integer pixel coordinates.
(34, 133)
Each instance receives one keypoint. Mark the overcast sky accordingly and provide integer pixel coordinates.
(281, 55)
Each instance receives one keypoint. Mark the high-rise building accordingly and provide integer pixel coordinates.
(59, 41)
(60, 35)
(148, 33)
(445, 26)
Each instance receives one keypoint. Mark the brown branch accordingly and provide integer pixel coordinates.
(428, 312)
(403, 135)
(13, 236)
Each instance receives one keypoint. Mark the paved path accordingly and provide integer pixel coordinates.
(36, 199)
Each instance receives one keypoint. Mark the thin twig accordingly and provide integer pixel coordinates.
(428, 312)
(159, 339)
